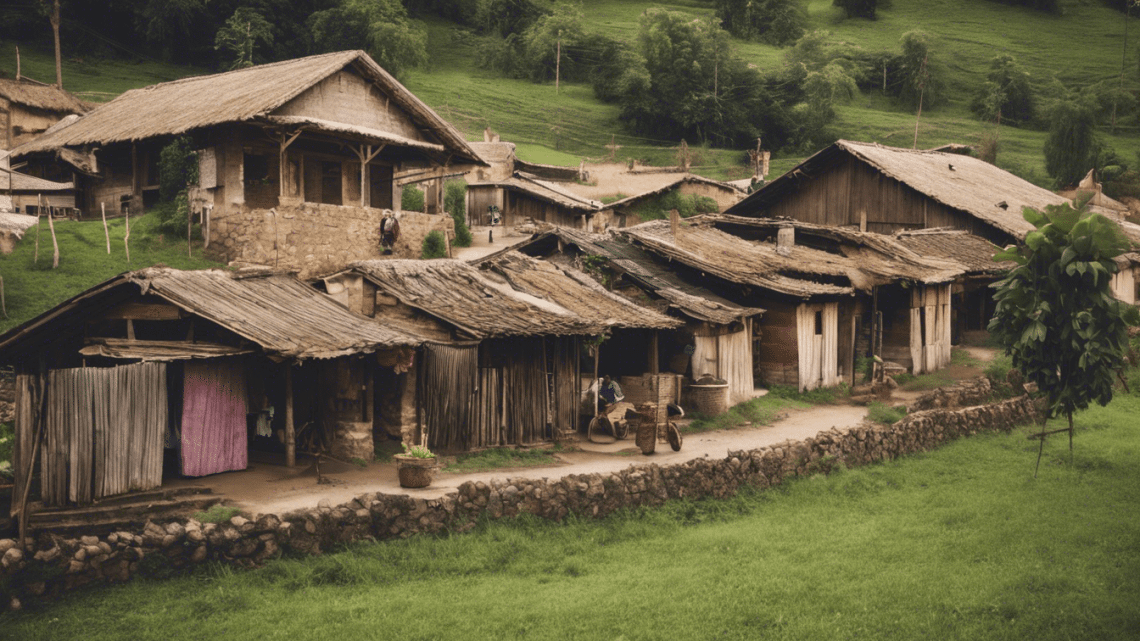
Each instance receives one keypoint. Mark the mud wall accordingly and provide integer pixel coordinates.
(46, 566)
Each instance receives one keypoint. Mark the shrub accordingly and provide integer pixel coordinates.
(412, 199)
(216, 514)
(174, 215)
(177, 168)
(885, 414)
(434, 246)
(455, 203)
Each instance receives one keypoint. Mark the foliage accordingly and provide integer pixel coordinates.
(775, 22)
(418, 451)
(885, 414)
(455, 203)
(504, 457)
(921, 73)
(412, 199)
(241, 33)
(174, 216)
(826, 73)
(1005, 96)
(817, 396)
(216, 514)
(507, 17)
(177, 168)
(380, 27)
(857, 8)
(1072, 145)
(1056, 314)
(924, 382)
(658, 207)
(557, 33)
(7, 444)
(434, 245)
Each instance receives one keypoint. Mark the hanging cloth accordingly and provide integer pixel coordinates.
(213, 417)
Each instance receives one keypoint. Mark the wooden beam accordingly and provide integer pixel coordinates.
(654, 367)
(146, 311)
(290, 433)
(282, 161)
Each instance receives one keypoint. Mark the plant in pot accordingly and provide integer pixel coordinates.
(416, 466)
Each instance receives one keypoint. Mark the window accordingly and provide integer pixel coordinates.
(819, 323)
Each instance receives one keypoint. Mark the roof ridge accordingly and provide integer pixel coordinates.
(254, 68)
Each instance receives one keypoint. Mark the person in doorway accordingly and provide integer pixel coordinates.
(610, 391)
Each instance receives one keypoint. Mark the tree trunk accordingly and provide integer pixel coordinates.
(58, 56)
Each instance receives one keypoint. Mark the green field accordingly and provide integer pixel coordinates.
(959, 543)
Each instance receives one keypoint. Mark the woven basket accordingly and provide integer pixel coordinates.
(414, 472)
(647, 437)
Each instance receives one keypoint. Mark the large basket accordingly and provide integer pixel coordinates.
(414, 472)
(647, 437)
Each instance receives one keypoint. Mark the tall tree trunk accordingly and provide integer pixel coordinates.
(55, 32)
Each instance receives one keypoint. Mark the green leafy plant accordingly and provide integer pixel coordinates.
(1056, 314)
(412, 199)
(434, 245)
(885, 414)
(418, 451)
(455, 203)
(216, 514)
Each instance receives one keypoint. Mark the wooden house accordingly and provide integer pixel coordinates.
(298, 160)
(882, 189)
(502, 350)
(28, 108)
(717, 336)
(620, 213)
(21, 193)
(523, 198)
(160, 372)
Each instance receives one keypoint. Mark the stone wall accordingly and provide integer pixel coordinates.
(47, 565)
(314, 238)
(972, 392)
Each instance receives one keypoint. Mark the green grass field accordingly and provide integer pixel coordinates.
(959, 543)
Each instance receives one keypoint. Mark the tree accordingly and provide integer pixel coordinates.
(858, 8)
(170, 24)
(548, 42)
(921, 73)
(777, 22)
(1006, 95)
(434, 245)
(1072, 146)
(826, 73)
(1056, 314)
(381, 27)
(241, 33)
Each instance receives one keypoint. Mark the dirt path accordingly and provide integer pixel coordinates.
(271, 489)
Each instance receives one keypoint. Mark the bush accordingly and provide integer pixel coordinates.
(173, 216)
(434, 246)
(658, 207)
(177, 168)
(412, 199)
(216, 514)
(775, 22)
(455, 203)
(885, 414)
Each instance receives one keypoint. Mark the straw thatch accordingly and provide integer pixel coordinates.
(963, 183)
(546, 191)
(574, 291)
(279, 313)
(738, 261)
(642, 269)
(974, 253)
(676, 182)
(879, 256)
(37, 95)
(16, 181)
(177, 107)
(458, 294)
(352, 131)
(16, 224)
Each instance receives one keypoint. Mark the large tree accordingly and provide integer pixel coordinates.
(1005, 96)
(1056, 314)
(1072, 146)
(381, 27)
(777, 22)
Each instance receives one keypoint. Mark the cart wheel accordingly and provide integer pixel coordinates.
(621, 429)
(598, 424)
(591, 429)
(675, 438)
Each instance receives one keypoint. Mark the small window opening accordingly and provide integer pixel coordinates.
(819, 323)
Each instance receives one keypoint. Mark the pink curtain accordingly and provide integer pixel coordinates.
(213, 417)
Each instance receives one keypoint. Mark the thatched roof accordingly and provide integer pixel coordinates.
(278, 312)
(967, 184)
(528, 184)
(802, 273)
(15, 225)
(243, 95)
(974, 253)
(672, 184)
(17, 181)
(460, 295)
(40, 96)
(642, 269)
(574, 291)
(878, 255)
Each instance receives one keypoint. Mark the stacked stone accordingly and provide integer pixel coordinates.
(965, 394)
(50, 564)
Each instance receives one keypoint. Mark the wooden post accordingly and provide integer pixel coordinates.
(38, 419)
(54, 242)
(106, 232)
(127, 236)
(282, 162)
(654, 366)
(3, 305)
(290, 433)
(558, 63)
(189, 232)
(39, 211)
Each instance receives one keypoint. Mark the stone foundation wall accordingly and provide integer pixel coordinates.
(314, 238)
(777, 374)
(352, 440)
(972, 392)
(47, 566)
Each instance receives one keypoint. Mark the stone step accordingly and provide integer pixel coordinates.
(102, 519)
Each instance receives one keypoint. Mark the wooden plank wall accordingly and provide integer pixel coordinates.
(449, 384)
(104, 432)
(930, 327)
(819, 353)
(1124, 285)
(27, 404)
(564, 383)
(727, 356)
(525, 390)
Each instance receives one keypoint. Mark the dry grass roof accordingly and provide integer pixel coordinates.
(40, 96)
(17, 181)
(460, 295)
(547, 191)
(974, 253)
(243, 95)
(574, 291)
(678, 181)
(967, 184)
(647, 272)
(278, 312)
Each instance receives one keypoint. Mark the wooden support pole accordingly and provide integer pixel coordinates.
(654, 366)
(106, 232)
(54, 242)
(127, 235)
(290, 433)
(38, 420)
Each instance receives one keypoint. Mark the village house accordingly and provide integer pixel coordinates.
(21, 193)
(161, 373)
(523, 198)
(299, 161)
(501, 360)
(622, 213)
(28, 108)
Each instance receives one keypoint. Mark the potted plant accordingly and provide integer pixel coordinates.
(416, 466)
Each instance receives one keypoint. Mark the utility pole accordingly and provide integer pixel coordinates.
(558, 62)
(55, 31)
(921, 89)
